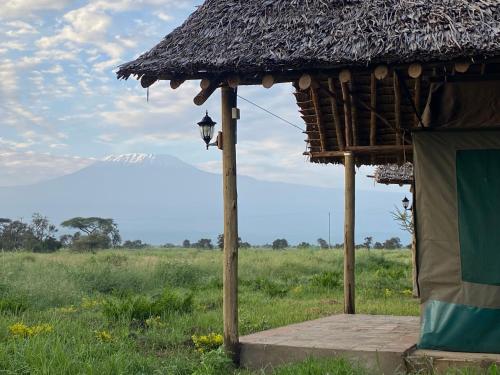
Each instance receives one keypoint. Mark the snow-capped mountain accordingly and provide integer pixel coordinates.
(159, 199)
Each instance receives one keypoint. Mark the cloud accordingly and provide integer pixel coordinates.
(23, 8)
(22, 168)
(18, 28)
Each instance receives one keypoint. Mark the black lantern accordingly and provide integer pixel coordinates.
(406, 203)
(207, 129)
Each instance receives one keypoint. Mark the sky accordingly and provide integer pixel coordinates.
(62, 108)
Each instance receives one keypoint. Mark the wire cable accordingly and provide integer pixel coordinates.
(271, 113)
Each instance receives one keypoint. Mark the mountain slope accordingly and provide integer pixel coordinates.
(161, 199)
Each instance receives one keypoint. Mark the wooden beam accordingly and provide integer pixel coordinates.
(397, 108)
(416, 100)
(349, 224)
(336, 115)
(346, 97)
(147, 81)
(205, 83)
(376, 150)
(230, 267)
(204, 94)
(176, 83)
(354, 111)
(319, 119)
(373, 111)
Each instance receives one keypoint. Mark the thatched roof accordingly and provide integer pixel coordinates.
(394, 174)
(236, 36)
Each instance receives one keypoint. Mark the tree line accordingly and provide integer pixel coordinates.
(93, 233)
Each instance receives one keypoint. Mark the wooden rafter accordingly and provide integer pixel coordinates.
(354, 111)
(319, 117)
(336, 115)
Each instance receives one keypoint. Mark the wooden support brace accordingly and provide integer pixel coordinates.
(347, 113)
(354, 112)
(317, 110)
(416, 100)
(397, 108)
(336, 115)
(204, 94)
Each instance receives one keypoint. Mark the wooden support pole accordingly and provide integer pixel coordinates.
(230, 269)
(349, 220)
(373, 112)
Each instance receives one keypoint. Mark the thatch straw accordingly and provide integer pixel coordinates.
(394, 174)
(241, 36)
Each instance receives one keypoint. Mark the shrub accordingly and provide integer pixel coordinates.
(142, 308)
(271, 288)
(327, 279)
(215, 362)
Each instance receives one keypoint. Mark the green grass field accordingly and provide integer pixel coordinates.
(135, 312)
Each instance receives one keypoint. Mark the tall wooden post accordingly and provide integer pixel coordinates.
(349, 256)
(230, 278)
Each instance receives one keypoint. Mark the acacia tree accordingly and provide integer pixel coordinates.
(99, 232)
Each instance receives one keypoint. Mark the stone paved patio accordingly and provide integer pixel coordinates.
(378, 342)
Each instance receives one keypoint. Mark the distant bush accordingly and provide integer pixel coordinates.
(322, 243)
(304, 245)
(280, 243)
(136, 244)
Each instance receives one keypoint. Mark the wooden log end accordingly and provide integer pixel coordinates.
(381, 72)
(345, 76)
(204, 83)
(415, 70)
(305, 81)
(462, 67)
(147, 81)
(233, 82)
(176, 83)
(268, 81)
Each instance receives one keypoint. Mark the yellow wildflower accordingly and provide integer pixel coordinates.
(205, 343)
(23, 330)
(387, 292)
(407, 292)
(103, 336)
(88, 303)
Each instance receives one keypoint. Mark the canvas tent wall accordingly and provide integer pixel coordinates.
(458, 216)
